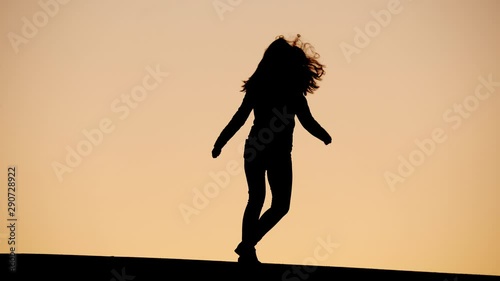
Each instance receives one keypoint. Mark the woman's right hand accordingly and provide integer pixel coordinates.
(215, 152)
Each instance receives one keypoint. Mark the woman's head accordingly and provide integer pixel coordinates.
(292, 65)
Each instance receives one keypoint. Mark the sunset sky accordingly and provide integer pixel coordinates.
(109, 111)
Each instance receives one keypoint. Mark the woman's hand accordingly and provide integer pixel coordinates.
(215, 152)
(328, 140)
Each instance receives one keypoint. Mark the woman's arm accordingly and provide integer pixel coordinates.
(238, 120)
(309, 123)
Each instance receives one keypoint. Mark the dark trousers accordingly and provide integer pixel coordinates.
(278, 165)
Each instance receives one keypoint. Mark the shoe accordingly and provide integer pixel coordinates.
(247, 255)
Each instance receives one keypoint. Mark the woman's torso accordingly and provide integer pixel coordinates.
(274, 121)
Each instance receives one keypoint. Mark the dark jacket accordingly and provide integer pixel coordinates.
(274, 121)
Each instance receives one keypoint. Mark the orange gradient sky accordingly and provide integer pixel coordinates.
(109, 110)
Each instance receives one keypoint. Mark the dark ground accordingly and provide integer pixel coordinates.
(73, 267)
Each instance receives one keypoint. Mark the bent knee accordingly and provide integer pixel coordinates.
(281, 209)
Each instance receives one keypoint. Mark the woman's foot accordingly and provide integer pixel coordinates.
(247, 254)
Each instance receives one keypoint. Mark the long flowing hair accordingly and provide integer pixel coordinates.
(289, 65)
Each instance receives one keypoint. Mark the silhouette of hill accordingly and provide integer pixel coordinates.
(107, 268)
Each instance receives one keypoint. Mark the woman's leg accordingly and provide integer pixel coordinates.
(255, 175)
(279, 175)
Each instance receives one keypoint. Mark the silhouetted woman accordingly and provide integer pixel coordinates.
(276, 93)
